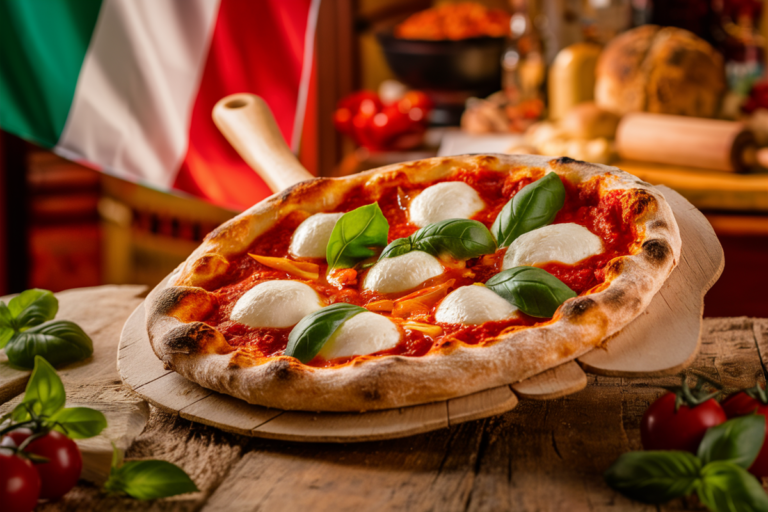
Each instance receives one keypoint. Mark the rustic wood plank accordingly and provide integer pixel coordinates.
(554, 383)
(481, 405)
(677, 307)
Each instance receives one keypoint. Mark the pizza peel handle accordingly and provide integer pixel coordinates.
(248, 124)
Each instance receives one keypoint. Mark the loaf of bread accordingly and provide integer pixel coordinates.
(662, 70)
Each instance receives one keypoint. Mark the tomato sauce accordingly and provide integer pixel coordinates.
(583, 206)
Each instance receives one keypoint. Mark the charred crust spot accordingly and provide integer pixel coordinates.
(371, 394)
(282, 370)
(566, 160)
(641, 203)
(576, 309)
(182, 302)
(644, 183)
(657, 251)
(196, 338)
(658, 224)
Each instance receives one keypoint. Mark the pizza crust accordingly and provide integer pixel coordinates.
(200, 353)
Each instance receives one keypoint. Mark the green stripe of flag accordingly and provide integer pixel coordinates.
(42, 48)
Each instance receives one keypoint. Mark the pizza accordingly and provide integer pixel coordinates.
(415, 282)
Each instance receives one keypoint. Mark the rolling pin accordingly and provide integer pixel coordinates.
(689, 141)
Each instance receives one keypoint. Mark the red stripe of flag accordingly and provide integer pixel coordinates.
(256, 47)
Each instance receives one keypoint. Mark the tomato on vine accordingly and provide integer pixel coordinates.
(19, 482)
(679, 419)
(62, 471)
(743, 403)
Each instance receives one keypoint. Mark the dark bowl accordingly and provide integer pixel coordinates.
(465, 65)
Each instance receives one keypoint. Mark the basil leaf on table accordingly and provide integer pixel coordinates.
(33, 307)
(58, 341)
(79, 422)
(147, 479)
(726, 487)
(314, 330)
(533, 290)
(460, 238)
(7, 329)
(44, 393)
(737, 441)
(534, 206)
(655, 476)
(354, 234)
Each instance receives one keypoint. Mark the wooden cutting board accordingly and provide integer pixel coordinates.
(93, 382)
(661, 341)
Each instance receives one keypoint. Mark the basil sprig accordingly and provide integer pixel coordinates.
(461, 238)
(314, 330)
(534, 206)
(58, 341)
(354, 234)
(43, 404)
(718, 474)
(29, 308)
(147, 479)
(533, 290)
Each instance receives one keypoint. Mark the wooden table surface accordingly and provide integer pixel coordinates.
(540, 456)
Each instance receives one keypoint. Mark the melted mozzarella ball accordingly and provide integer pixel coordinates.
(565, 243)
(473, 305)
(449, 200)
(311, 237)
(276, 304)
(364, 333)
(401, 273)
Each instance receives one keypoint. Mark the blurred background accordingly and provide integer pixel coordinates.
(111, 170)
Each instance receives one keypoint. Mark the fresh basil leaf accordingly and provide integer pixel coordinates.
(45, 392)
(354, 234)
(737, 441)
(59, 342)
(655, 476)
(397, 248)
(149, 480)
(314, 330)
(533, 207)
(79, 422)
(460, 238)
(7, 328)
(533, 290)
(726, 487)
(33, 307)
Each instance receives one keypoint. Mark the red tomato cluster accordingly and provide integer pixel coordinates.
(679, 420)
(22, 483)
(376, 126)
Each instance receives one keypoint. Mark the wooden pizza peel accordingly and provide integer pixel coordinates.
(661, 341)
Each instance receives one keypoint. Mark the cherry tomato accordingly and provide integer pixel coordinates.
(741, 404)
(62, 471)
(663, 428)
(19, 483)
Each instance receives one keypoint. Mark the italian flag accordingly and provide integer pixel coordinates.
(127, 86)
